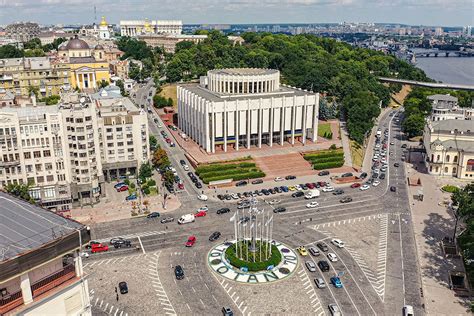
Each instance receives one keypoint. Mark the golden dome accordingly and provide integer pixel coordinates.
(103, 22)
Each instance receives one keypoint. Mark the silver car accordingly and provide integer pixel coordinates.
(335, 310)
(320, 283)
(313, 251)
(311, 266)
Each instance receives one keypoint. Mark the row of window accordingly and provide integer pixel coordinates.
(438, 157)
(37, 154)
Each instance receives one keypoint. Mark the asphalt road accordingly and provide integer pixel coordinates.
(379, 266)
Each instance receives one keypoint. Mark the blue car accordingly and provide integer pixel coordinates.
(284, 188)
(131, 197)
(336, 282)
(118, 185)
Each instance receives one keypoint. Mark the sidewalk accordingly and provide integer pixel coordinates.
(431, 223)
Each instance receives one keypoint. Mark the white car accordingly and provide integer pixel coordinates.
(376, 183)
(338, 243)
(376, 170)
(202, 197)
(298, 187)
(185, 167)
(312, 205)
(273, 202)
(234, 196)
(202, 208)
(364, 187)
(332, 257)
(278, 179)
(84, 255)
(328, 189)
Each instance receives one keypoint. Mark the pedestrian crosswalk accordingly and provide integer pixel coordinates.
(308, 287)
(160, 292)
(112, 260)
(131, 236)
(106, 307)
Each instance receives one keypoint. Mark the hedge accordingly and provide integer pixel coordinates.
(242, 176)
(324, 154)
(274, 259)
(450, 188)
(328, 165)
(326, 159)
(209, 168)
(227, 172)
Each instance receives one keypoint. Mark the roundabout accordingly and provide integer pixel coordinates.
(221, 265)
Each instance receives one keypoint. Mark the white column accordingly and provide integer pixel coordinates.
(237, 128)
(77, 81)
(26, 288)
(225, 125)
(260, 123)
(314, 138)
(213, 133)
(293, 120)
(270, 115)
(77, 264)
(206, 120)
(282, 121)
(303, 124)
(249, 116)
(94, 84)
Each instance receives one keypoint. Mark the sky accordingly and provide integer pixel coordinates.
(414, 12)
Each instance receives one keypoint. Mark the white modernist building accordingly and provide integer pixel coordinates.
(246, 107)
(141, 27)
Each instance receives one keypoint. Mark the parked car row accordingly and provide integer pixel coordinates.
(195, 180)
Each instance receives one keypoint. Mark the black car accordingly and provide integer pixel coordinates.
(241, 183)
(153, 215)
(179, 272)
(228, 197)
(396, 164)
(404, 146)
(277, 189)
(347, 199)
(322, 246)
(223, 210)
(119, 243)
(198, 184)
(272, 191)
(220, 197)
(177, 179)
(297, 194)
(323, 173)
(338, 192)
(323, 265)
(258, 181)
(304, 186)
(393, 189)
(182, 162)
(194, 179)
(265, 192)
(279, 210)
(346, 175)
(290, 177)
(214, 236)
(382, 176)
(169, 188)
(191, 175)
(226, 311)
(363, 175)
(123, 287)
(168, 219)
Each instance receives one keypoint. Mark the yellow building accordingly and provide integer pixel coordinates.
(88, 67)
(21, 75)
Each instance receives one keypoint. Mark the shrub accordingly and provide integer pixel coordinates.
(226, 172)
(328, 165)
(450, 188)
(151, 183)
(333, 147)
(126, 181)
(132, 185)
(326, 159)
(243, 176)
(146, 190)
(274, 259)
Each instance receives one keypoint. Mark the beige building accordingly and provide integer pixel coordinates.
(22, 31)
(19, 75)
(139, 27)
(449, 148)
(41, 269)
(168, 41)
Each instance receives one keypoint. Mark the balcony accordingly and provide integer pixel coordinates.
(52, 281)
(10, 302)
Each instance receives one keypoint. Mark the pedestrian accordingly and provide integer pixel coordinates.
(115, 289)
(116, 297)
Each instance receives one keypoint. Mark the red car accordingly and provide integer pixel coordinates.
(99, 248)
(181, 186)
(168, 140)
(122, 188)
(310, 185)
(355, 185)
(200, 214)
(322, 183)
(191, 241)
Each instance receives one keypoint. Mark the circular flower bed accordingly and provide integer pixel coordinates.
(260, 256)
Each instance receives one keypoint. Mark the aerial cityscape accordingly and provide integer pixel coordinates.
(236, 158)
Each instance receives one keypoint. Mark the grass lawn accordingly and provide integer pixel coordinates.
(169, 91)
(324, 129)
(326, 159)
(357, 153)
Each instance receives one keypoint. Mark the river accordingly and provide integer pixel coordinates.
(458, 70)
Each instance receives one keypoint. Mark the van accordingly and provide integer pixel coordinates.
(312, 194)
(408, 310)
(187, 218)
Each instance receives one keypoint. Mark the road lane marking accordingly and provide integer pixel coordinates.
(141, 245)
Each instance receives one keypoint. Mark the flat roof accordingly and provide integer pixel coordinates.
(243, 71)
(209, 95)
(25, 227)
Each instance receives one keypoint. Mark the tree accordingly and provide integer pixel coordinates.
(145, 171)
(161, 102)
(413, 125)
(153, 142)
(168, 177)
(33, 44)
(121, 85)
(10, 51)
(21, 191)
(36, 52)
(102, 84)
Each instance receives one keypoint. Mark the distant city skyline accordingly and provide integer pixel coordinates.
(413, 12)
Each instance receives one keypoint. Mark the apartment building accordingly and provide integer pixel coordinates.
(20, 75)
(66, 152)
(445, 107)
(33, 152)
(123, 133)
(22, 31)
(40, 267)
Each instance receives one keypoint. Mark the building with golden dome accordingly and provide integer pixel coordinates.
(88, 65)
(104, 32)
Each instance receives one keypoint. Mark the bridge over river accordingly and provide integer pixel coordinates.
(428, 84)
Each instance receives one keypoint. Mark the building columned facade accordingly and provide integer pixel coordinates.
(449, 148)
(244, 107)
(140, 27)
